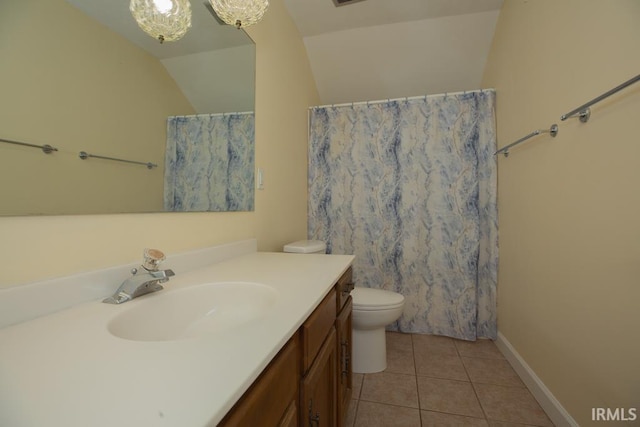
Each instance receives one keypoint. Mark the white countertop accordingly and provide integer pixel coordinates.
(66, 369)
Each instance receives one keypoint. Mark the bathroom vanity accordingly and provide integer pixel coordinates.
(279, 359)
(309, 382)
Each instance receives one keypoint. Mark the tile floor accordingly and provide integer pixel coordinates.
(440, 381)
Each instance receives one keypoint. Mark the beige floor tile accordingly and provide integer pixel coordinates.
(357, 385)
(440, 365)
(400, 360)
(350, 419)
(504, 424)
(486, 349)
(511, 404)
(433, 344)
(492, 371)
(398, 340)
(458, 383)
(438, 419)
(453, 397)
(394, 389)
(372, 414)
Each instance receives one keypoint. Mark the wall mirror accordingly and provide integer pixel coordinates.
(81, 76)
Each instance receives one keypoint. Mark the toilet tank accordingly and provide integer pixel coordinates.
(306, 247)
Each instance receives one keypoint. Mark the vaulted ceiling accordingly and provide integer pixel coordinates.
(363, 50)
(379, 49)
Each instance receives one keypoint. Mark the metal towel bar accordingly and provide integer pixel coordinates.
(84, 155)
(46, 148)
(583, 111)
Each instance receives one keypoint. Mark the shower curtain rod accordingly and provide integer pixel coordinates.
(553, 131)
(212, 115)
(410, 98)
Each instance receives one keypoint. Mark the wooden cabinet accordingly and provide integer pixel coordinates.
(290, 418)
(272, 400)
(327, 374)
(318, 397)
(344, 286)
(316, 329)
(343, 329)
(345, 374)
(309, 382)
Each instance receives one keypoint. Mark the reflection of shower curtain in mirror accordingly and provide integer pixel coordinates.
(209, 163)
(409, 188)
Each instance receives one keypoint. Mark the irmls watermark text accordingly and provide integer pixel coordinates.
(614, 414)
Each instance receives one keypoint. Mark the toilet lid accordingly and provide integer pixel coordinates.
(306, 247)
(375, 299)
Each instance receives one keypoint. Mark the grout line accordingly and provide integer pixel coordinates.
(361, 386)
(473, 387)
(486, 416)
(415, 371)
(395, 405)
(355, 413)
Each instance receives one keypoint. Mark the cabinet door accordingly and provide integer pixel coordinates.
(290, 418)
(345, 376)
(273, 395)
(316, 328)
(318, 404)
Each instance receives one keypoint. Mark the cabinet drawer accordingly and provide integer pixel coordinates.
(316, 328)
(273, 395)
(318, 391)
(344, 288)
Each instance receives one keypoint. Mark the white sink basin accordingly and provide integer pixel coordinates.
(194, 311)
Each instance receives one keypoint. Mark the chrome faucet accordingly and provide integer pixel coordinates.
(142, 281)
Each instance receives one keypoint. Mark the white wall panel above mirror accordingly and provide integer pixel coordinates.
(79, 85)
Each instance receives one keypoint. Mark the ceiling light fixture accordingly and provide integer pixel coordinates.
(240, 13)
(165, 20)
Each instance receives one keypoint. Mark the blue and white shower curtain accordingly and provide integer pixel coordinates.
(209, 163)
(409, 187)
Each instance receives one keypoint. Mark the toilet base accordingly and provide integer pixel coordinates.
(369, 351)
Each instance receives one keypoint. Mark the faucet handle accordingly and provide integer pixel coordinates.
(152, 258)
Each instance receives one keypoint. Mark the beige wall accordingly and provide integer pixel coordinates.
(285, 89)
(33, 248)
(569, 280)
(71, 83)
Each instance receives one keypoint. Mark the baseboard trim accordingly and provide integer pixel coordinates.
(542, 394)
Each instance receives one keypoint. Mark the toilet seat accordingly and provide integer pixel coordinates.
(367, 299)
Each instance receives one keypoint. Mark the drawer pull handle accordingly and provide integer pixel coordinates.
(345, 358)
(314, 420)
(347, 288)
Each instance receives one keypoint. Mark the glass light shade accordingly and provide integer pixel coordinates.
(240, 13)
(162, 19)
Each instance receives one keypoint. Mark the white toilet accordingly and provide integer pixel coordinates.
(373, 309)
